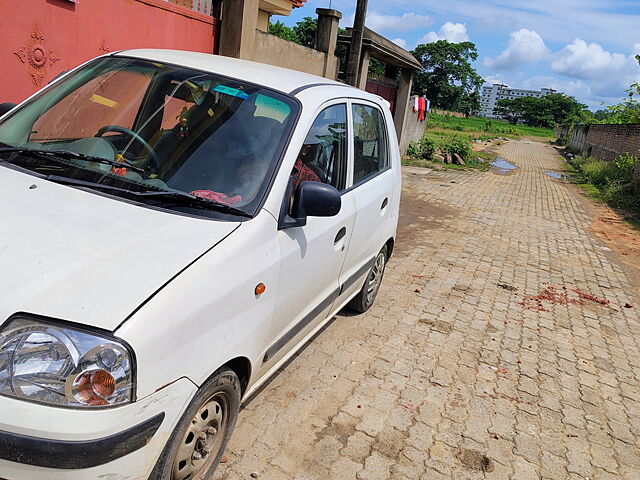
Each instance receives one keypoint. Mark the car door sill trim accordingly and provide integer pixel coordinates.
(298, 327)
(356, 276)
(313, 314)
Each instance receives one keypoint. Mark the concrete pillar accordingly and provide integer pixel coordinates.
(363, 73)
(327, 38)
(238, 28)
(402, 100)
(263, 20)
(327, 31)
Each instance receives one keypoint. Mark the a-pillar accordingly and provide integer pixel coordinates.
(238, 28)
(327, 39)
(402, 100)
(363, 72)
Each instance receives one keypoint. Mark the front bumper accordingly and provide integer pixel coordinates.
(38, 441)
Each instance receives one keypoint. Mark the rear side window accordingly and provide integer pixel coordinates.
(371, 153)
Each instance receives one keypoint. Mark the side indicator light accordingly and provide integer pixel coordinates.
(260, 289)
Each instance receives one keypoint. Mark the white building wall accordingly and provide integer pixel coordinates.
(492, 94)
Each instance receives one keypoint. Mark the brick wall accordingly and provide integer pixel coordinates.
(605, 142)
(451, 114)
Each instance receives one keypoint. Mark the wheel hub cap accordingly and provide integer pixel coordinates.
(201, 441)
(375, 277)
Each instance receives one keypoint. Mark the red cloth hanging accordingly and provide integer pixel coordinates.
(422, 108)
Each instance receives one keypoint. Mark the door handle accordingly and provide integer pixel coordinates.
(340, 235)
(385, 202)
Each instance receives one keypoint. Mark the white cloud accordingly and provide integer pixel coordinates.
(451, 32)
(575, 88)
(588, 61)
(406, 22)
(401, 42)
(492, 79)
(525, 46)
(497, 22)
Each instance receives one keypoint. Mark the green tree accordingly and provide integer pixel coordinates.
(543, 112)
(511, 110)
(447, 77)
(279, 29)
(376, 67)
(305, 30)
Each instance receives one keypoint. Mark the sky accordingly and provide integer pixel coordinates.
(583, 48)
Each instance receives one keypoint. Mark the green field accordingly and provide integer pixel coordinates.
(445, 127)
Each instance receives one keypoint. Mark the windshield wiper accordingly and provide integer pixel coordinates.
(182, 197)
(68, 154)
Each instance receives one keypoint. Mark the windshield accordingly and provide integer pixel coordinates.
(143, 126)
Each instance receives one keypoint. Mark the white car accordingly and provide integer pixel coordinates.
(173, 227)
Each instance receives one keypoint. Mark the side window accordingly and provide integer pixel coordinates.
(371, 153)
(323, 157)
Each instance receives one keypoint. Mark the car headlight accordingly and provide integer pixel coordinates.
(63, 365)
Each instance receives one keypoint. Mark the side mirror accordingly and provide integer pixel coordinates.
(5, 107)
(312, 199)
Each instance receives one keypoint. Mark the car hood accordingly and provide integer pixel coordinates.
(78, 256)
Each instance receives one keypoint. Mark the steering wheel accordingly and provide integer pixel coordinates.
(155, 161)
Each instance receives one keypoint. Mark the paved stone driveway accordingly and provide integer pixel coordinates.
(491, 351)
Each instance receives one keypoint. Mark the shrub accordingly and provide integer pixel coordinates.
(597, 172)
(413, 150)
(458, 146)
(423, 149)
(618, 181)
(427, 148)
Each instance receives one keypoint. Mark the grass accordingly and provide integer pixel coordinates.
(613, 183)
(483, 128)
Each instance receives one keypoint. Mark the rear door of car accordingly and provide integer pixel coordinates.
(373, 184)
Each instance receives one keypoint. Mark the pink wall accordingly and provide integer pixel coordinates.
(41, 38)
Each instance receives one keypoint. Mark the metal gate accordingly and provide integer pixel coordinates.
(386, 88)
(39, 39)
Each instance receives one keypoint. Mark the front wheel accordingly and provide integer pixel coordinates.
(198, 442)
(365, 298)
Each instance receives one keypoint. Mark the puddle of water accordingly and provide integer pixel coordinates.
(557, 175)
(502, 166)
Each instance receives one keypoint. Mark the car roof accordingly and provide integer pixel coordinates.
(276, 78)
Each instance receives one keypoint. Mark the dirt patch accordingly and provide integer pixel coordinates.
(418, 216)
(621, 238)
(438, 325)
(474, 460)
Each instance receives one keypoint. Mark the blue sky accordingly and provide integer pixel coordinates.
(583, 48)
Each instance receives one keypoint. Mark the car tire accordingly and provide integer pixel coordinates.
(367, 295)
(196, 446)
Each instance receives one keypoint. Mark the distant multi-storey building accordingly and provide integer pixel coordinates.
(491, 95)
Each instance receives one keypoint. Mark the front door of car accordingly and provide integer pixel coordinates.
(373, 189)
(312, 255)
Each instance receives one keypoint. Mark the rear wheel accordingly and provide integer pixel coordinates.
(198, 442)
(367, 295)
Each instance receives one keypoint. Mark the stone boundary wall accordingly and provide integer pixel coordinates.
(602, 141)
(413, 129)
(283, 53)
